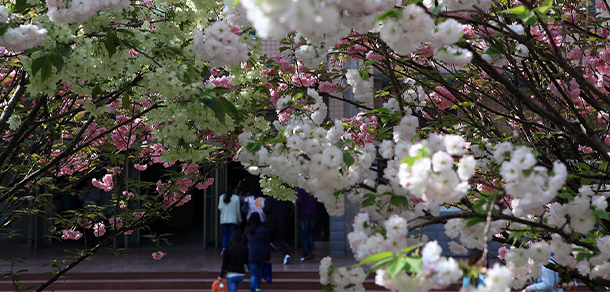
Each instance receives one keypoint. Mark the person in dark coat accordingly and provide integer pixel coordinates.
(307, 218)
(276, 213)
(233, 260)
(257, 239)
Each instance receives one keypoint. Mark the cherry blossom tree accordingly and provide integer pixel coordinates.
(498, 109)
(77, 106)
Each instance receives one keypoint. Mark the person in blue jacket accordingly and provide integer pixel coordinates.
(474, 258)
(547, 282)
(257, 239)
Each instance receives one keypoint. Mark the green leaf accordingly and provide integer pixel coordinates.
(410, 248)
(394, 267)
(478, 205)
(543, 9)
(475, 220)
(382, 110)
(4, 27)
(399, 201)
(221, 90)
(235, 3)
(370, 201)
(328, 287)
(38, 63)
(369, 63)
(583, 166)
(278, 139)
(347, 158)
(375, 257)
(409, 161)
(410, 2)
(126, 100)
(20, 6)
(110, 45)
(253, 147)
(601, 214)
(581, 256)
(544, 6)
(395, 13)
(378, 265)
(415, 264)
(219, 109)
(205, 72)
(437, 9)
(230, 107)
(492, 51)
(47, 69)
(57, 60)
(515, 10)
(97, 91)
(529, 18)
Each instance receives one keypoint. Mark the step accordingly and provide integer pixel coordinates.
(155, 275)
(194, 281)
(166, 284)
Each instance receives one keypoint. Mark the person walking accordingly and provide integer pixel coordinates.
(257, 240)
(256, 203)
(233, 261)
(307, 219)
(547, 282)
(474, 258)
(230, 214)
(276, 212)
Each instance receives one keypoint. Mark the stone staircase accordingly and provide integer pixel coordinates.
(178, 282)
(91, 282)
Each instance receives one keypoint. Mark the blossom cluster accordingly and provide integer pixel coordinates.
(23, 37)
(360, 87)
(4, 14)
(81, 10)
(406, 34)
(312, 157)
(530, 185)
(368, 238)
(235, 16)
(274, 19)
(524, 263)
(580, 211)
(218, 45)
(471, 236)
(429, 172)
(310, 56)
(437, 271)
(341, 278)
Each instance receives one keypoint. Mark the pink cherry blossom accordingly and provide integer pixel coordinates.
(116, 222)
(84, 223)
(107, 184)
(140, 167)
(205, 184)
(157, 255)
(71, 234)
(99, 229)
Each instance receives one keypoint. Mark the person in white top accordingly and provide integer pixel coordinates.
(230, 214)
(256, 203)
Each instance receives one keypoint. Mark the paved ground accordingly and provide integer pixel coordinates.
(183, 256)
